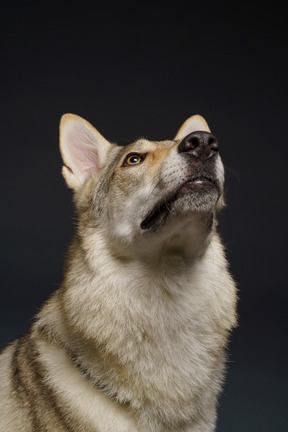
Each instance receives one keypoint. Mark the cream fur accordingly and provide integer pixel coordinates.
(147, 313)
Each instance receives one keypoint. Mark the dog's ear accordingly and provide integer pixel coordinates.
(192, 124)
(84, 150)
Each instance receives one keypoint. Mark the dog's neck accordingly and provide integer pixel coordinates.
(185, 241)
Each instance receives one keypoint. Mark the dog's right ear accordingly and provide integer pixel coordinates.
(192, 124)
(84, 150)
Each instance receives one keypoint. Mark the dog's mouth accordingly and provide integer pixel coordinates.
(163, 208)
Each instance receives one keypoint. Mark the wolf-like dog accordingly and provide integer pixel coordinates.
(135, 338)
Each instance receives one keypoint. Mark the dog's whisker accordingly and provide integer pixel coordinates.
(236, 174)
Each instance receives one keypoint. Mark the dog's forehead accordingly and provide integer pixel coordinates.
(143, 144)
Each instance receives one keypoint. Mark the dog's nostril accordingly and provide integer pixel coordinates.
(213, 144)
(194, 141)
(189, 144)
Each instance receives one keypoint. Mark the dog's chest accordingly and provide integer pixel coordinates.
(169, 352)
(174, 373)
(160, 336)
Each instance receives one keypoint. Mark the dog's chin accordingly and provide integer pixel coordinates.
(195, 196)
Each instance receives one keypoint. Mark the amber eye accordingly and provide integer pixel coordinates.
(133, 159)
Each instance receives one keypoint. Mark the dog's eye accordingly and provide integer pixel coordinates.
(133, 159)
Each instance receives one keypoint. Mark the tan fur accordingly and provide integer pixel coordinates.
(135, 338)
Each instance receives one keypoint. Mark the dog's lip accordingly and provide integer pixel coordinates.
(199, 182)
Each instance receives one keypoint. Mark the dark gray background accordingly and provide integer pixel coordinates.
(139, 69)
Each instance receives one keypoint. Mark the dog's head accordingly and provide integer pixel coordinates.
(148, 188)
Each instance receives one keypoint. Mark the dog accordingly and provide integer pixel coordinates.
(135, 338)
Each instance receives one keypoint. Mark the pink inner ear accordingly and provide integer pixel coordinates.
(81, 149)
(86, 159)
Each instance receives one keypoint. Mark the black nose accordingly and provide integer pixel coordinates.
(202, 145)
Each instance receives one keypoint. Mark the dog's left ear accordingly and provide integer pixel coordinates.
(84, 150)
(192, 124)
